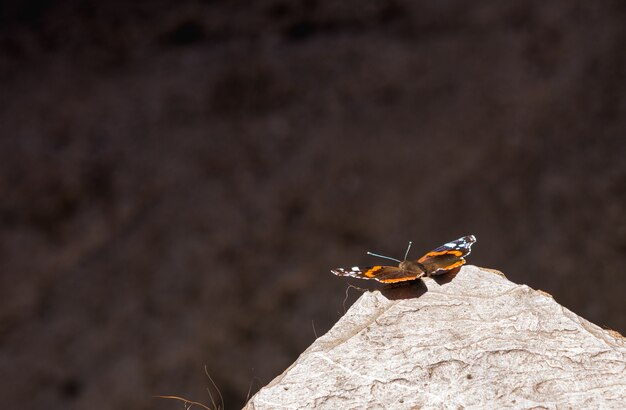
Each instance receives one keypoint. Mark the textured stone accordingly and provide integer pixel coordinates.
(472, 340)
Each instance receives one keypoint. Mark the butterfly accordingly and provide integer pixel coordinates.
(436, 262)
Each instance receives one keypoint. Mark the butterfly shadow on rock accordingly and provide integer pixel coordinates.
(415, 288)
(446, 277)
(412, 289)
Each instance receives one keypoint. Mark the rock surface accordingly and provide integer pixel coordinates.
(472, 340)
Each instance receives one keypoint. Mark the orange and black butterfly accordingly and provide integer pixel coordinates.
(436, 262)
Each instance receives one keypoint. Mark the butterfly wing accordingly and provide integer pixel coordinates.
(384, 274)
(448, 256)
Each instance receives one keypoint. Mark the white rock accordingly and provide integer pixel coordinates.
(476, 340)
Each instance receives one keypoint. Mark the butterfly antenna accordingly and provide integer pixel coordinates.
(384, 257)
(407, 250)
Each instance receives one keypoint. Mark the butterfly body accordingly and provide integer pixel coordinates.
(436, 262)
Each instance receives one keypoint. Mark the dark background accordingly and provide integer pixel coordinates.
(177, 178)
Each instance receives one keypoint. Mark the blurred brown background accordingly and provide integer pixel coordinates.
(177, 178)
